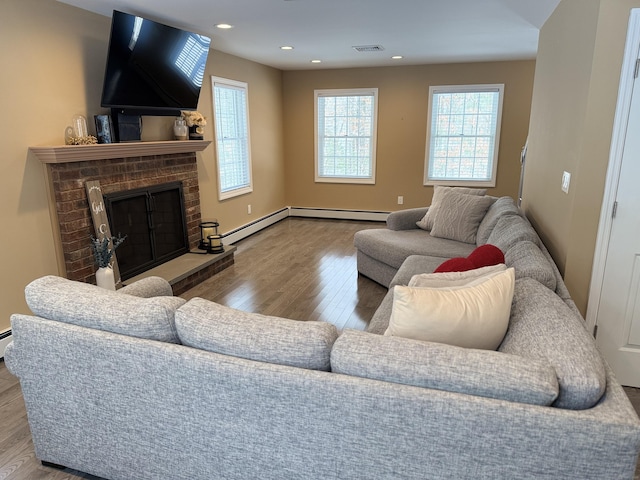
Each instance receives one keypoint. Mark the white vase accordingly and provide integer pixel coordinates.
(105, 278)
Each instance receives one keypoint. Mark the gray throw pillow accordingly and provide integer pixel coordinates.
(483, 373)
(459, 216)
(220, 329)
(426, 223)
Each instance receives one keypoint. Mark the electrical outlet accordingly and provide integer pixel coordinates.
(248, 209)
(400, 199)
(566, 180)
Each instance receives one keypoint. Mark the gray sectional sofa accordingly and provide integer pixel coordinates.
(140, 384)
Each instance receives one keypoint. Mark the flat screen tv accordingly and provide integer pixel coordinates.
(152, 68)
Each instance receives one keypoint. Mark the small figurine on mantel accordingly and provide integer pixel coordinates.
(196, 122)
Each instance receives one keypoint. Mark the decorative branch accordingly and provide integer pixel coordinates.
(102, 253)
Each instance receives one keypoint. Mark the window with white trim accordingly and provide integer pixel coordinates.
(463, 133)
(345, 135)
(233, 154)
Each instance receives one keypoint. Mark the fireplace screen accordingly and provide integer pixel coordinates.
(153, 219)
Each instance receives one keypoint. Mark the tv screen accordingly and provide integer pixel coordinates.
(152, 68)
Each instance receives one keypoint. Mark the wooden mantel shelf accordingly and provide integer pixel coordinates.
(82, 153)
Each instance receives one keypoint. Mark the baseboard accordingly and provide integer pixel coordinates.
(244, 231)
(338, 214)
(5, 339)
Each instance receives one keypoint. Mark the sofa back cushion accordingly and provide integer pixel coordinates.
(511, 229)
(220, 329)
(444, 367)
(87, 305)
(502, 206)
(528, 261)
(543, 327)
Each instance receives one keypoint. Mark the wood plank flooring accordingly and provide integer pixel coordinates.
(303, 269)
(298, 268)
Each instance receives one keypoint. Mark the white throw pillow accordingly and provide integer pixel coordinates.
(438, 191)
(475, 316)
(455, 279)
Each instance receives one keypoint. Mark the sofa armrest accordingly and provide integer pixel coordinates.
(148, 287)
(405, 219)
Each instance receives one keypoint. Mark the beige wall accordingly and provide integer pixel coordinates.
(52, 62)
(402, 121)
(575, 91)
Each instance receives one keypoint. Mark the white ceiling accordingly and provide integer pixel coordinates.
(422, 31)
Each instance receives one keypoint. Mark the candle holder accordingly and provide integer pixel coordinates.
(210, 239)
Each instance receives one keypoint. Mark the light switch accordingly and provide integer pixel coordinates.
(566, 180)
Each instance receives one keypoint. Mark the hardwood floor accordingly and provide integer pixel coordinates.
(298, 268)
(303, 269)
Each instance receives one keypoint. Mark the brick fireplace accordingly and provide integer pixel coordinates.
(68, 177)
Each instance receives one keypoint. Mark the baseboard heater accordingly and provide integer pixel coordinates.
(250, 228)
(244, 231)
(338, 214)
(5, 339)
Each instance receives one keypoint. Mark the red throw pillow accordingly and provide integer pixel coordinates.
(483, 256)
(457, 264)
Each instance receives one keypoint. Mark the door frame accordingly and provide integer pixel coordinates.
(620, 122)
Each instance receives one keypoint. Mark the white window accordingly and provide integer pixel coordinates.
(463, 133)
(345, 126)
(231, 112)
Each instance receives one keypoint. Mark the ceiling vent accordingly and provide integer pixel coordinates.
(369, 48)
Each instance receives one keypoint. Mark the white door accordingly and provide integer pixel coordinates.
(618, 306)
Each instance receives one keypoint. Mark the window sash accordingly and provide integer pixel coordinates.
(233, 154)
(463, 134)
(345, 129)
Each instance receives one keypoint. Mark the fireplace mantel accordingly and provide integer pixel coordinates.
(82, 153)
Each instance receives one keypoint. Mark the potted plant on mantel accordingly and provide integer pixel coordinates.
(103, 253)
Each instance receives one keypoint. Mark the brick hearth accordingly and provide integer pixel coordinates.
(72, 208)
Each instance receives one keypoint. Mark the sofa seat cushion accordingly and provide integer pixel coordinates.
(86, 305)
(528, 261)
(216, 328)
(415, 265)
(543, 327)
(393, 246)
(444, 367)
(474, 314)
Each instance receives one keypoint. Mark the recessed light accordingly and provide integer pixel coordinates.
(224, 26)
(316, 61)
(397, 57)
(286, 47)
